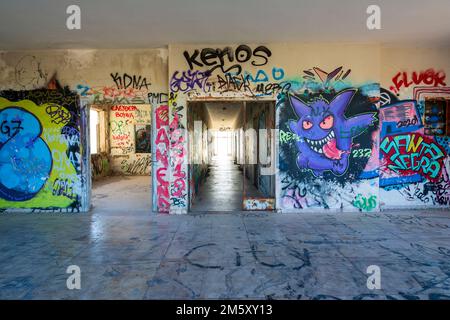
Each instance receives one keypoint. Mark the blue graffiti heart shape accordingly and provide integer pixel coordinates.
(25, 159)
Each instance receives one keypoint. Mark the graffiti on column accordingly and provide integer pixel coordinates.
(40, 150)
(222, 71)
(25, 159)
(162, 162)
(178, 163)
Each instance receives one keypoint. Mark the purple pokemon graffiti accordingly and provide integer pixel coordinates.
(325, 134)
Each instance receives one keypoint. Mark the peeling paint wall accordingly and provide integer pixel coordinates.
(89, 72)
(104, 78)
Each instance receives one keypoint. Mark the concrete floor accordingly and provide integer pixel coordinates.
(125, 254)
(223, 188)
(116, 194)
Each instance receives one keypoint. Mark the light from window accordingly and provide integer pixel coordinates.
(94, 116)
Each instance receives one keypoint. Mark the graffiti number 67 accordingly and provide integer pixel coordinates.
(14, 126)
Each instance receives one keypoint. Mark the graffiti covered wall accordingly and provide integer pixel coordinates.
(326, 116)
(329, 150)
(43, 163)
(353, 129)
(101, 78)
(100, 165)
(130, 139)
(414, 161)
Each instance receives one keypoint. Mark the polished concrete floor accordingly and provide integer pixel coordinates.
(223, 188)
(127, 254)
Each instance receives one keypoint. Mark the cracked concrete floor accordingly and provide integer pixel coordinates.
(131, 255)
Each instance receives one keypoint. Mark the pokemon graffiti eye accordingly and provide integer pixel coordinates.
(307, 124)
(327, 122)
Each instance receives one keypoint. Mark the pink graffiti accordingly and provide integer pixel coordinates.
(178, 152)
(162, 147)
(163, 190)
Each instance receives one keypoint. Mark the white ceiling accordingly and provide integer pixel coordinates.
(41, 24)
(223, 114)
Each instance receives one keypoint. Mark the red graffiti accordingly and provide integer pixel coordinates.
(123, 108)
(161, 137)
(408, 154)
(163, 190)
(162, 116)
(161, 157)
(113, 92)
(162, 146)
(428, 77)
(120, 137)
(124, 115)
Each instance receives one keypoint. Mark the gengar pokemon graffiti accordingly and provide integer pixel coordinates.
(325, 133)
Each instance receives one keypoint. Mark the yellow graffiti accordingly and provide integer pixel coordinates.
(62, 168)
(412, 147)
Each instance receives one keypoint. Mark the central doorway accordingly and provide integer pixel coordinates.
(231, 152)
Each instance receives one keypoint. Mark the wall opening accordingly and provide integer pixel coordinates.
(230, 151)
(121, 161)
(259, 146)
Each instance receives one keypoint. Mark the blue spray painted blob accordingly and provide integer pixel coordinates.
(25, 159)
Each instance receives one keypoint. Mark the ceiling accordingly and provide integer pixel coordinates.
(41, 24)
(223, 114)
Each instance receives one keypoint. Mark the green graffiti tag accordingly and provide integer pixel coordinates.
(286, 137)
(364, 203)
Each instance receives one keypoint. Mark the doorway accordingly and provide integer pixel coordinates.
(230, 156)
(120, 146)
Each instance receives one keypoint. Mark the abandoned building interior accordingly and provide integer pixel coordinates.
(279, 127)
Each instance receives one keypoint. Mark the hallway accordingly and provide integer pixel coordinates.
(222, 189)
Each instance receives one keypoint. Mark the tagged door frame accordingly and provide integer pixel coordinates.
(250, 203)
